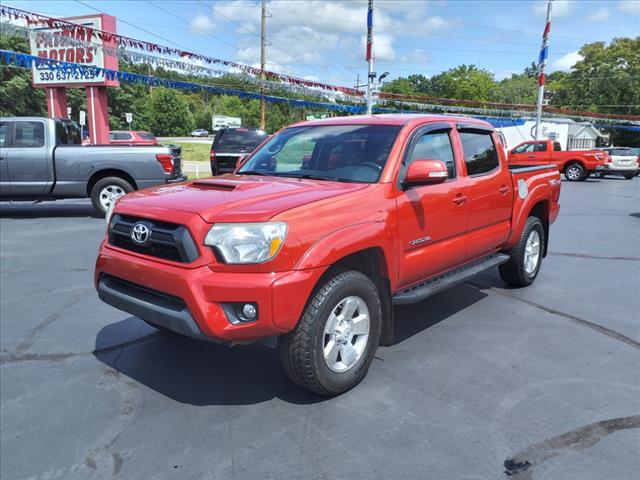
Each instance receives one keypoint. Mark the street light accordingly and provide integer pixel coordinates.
(384, 75)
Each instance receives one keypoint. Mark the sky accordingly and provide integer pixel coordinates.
(325, 40)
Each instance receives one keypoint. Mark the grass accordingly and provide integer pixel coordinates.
(193, 152)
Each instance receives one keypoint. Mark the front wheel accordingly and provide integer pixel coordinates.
(575, 172)
(332, 346)
(526, 257)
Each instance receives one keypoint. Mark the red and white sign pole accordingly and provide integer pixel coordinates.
(542, 63)
(369, 57)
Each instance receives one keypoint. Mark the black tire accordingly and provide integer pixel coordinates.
(116, 183)
(629, 176)
(599, 175)
(514, 272)
(302, 350)
(575, 172)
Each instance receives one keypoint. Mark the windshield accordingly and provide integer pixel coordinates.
(349, 153)
(239, 139)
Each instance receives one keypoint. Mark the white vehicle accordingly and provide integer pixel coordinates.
(623, 161)
(200, 132)
(224, 121)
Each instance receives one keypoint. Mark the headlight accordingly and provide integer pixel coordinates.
(247, 242)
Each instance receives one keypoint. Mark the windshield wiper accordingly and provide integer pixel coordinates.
(310, 176)
(253, 172)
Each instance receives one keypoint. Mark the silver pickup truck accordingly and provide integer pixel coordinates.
(43, 159)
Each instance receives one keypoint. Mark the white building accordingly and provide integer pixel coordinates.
(572, 135)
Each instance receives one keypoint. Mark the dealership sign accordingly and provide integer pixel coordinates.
(75, 45)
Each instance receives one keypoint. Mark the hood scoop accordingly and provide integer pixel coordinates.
(213, 184)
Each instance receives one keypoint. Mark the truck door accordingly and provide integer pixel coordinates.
(489, 191)
(431, 218)
(522, 154)
(540, 155)
(4, 171)
(27, 159)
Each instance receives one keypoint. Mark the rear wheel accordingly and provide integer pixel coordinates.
(575, 172)
(333, 344)
(107, 190)
(599, 175)
(629, 176)
(526, 257)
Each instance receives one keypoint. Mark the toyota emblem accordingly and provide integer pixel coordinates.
(140, 233)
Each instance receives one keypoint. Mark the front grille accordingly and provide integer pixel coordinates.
(166, 240)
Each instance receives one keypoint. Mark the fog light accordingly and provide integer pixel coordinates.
(249, 311)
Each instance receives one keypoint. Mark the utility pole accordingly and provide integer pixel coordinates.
(542, 63)
(369, 57)
(263, 27)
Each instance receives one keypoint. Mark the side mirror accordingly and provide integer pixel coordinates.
(426, 172)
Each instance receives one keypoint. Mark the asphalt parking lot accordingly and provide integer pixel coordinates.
(539, 383)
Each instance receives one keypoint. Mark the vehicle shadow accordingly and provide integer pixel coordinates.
(202, 373)
(47, 210)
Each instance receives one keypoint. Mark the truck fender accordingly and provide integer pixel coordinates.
(349, 240)
(523, 207)
(88, 170)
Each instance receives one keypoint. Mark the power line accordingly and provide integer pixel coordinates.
(188, 23)
(477, 25)
(425, 33)
(272, 43)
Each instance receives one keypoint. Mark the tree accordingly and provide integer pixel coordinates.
(520, 88)
(466, 82)
(607, 79)
(169, 113)
(17, 96)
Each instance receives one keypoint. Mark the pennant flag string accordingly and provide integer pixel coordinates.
(28, 61)
(88, 33)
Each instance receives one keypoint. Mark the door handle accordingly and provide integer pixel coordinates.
(459, 199)
(504, 190)
(531, 155)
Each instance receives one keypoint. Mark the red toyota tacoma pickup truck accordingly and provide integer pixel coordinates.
(321, 230)
(577, 165)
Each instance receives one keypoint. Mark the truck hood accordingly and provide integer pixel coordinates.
(238, 198)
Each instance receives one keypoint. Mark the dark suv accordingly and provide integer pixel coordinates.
(230, 145)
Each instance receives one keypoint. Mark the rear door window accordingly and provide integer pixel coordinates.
(28, 135)
(146, 136)
(480, 153)
(539, 147)
(121, 136)
(235, 140)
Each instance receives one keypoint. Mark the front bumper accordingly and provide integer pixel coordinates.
(190, 301)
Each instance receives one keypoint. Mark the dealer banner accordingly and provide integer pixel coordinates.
(65, 46)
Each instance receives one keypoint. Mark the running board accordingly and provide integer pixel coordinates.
(421, 291)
